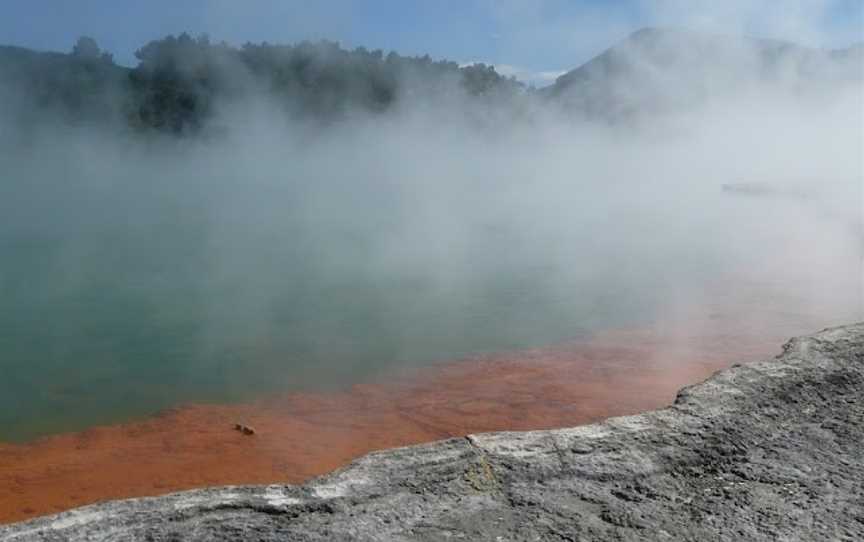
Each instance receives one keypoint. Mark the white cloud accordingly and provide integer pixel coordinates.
(532, 77)
(538, 78)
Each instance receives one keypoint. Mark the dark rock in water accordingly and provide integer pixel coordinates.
(762, 451)
(245, 429)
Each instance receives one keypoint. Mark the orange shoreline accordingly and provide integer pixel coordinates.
(302, 435)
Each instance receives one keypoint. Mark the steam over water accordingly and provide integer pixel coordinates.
(140, 273)
(136, 279)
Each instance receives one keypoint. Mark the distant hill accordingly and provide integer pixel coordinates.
(181, 81)
(660, 70)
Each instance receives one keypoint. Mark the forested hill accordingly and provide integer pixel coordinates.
(179, 81)
(657, 70)
(84, 86)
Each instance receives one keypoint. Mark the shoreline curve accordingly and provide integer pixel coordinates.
(762, 450)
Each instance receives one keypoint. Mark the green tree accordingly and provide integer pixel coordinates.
(87, 48)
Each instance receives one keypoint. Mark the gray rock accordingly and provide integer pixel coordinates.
(772, 450)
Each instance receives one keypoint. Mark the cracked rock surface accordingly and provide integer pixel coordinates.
(772, 450)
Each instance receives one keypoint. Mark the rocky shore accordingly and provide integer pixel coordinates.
(771, 450)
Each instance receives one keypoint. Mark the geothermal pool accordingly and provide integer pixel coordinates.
(129, 352)
(303, 434)
(134, 337)
(114, 313)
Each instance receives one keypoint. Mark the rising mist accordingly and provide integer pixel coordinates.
(252, 246)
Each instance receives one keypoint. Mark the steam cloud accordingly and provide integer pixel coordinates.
(281, 253)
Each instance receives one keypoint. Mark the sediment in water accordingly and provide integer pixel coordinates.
(299, 436)
(764, 450)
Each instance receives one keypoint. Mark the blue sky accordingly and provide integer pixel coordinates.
(533, 39)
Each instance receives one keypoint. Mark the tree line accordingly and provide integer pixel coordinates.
(180, 81)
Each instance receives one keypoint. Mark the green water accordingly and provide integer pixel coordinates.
(132, 336)
(124, 293)
(104, 324)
